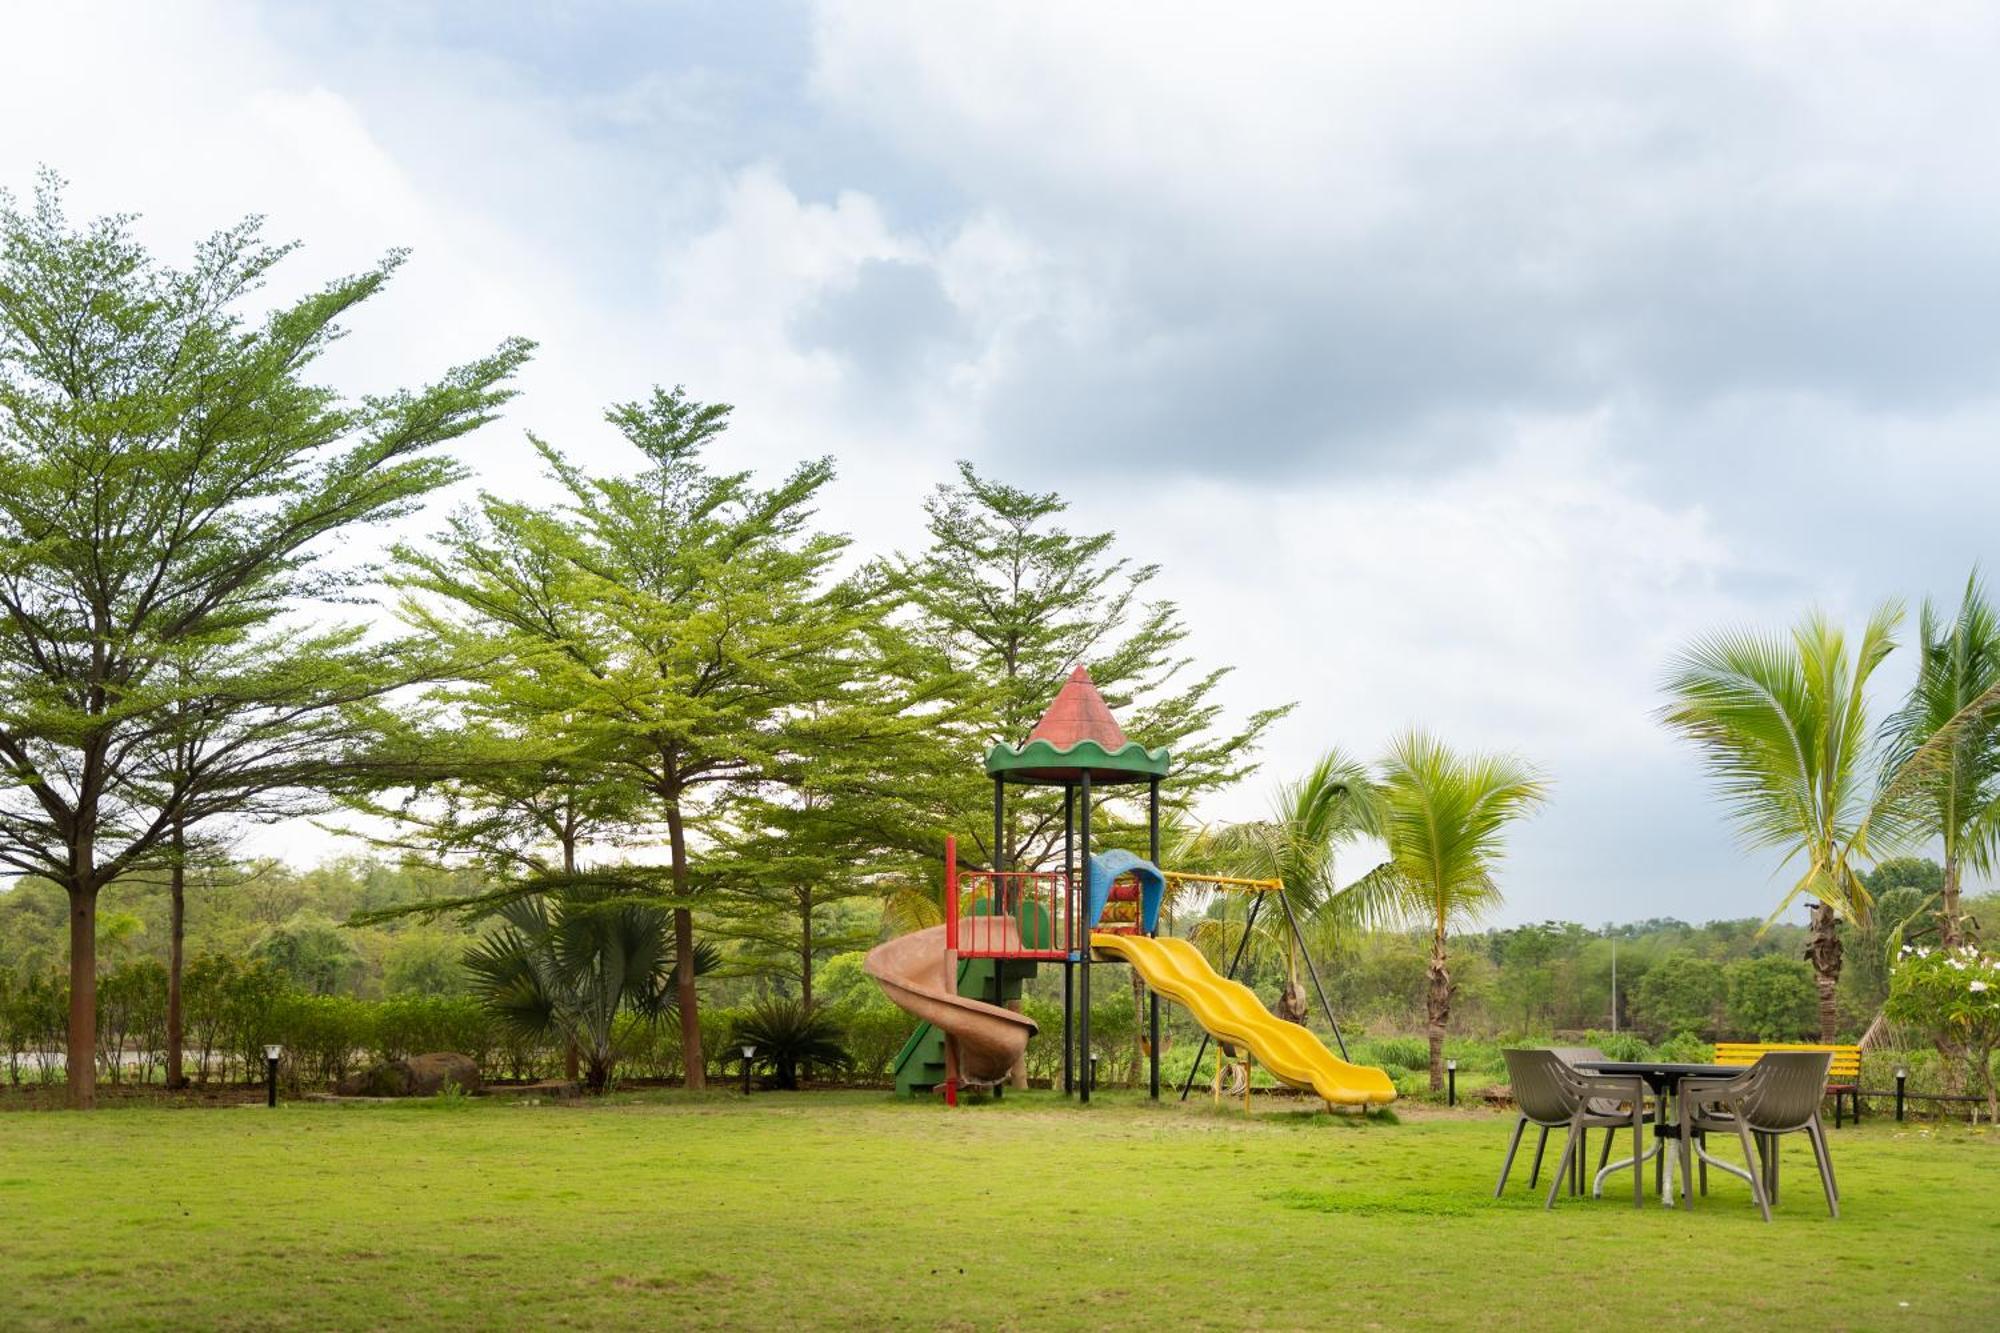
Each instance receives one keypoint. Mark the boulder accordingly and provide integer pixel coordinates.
(430, 1074)
(418, 1076)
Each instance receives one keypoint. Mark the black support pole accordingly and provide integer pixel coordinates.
(1069, 939)
(1153, 996)
(1256, 905)
(1083, 932)
(1313, 972)
(999, 841)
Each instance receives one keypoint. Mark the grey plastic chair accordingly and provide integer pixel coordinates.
(1549, 1093)
(1780, 1094)
(1576, 1055)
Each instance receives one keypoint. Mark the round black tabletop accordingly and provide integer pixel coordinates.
(1660, 1075)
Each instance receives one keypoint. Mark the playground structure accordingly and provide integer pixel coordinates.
(1001, 925)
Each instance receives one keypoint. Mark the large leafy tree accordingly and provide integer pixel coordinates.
(1944, 752)
(1009, 602)
(173, 487)
(1782, 722)
(670, 628)
(1444, 816)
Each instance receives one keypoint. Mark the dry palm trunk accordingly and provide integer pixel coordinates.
(1437, 1008)
(1823, 952)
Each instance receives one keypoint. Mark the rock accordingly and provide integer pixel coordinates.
(430, 1074)
(418, 1076)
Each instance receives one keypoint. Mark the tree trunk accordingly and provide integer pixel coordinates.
(1437, 1008)
(176, 959)
(572, 1054)
(80, 1061)
(806, 946)
(1823, 952)
(1949, 934)
(693, 1076)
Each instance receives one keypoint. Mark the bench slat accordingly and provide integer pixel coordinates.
(1846, 1059)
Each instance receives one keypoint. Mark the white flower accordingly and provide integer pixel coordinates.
(1978, 986)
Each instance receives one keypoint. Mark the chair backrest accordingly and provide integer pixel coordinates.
(1787, 1088)
(1846, 1059)
(1571, 1055)
(1541, 1090)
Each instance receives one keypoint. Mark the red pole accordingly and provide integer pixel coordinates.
(950, 961)
(951, 893)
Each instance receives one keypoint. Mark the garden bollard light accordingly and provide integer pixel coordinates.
(1901, 1075)
(1093, 1073)
(1451, 1083)
(748, 1051)
(272, 1054)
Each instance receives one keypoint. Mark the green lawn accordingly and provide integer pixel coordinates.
(854, 1210)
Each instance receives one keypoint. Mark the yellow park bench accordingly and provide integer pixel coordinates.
(1843, 1076)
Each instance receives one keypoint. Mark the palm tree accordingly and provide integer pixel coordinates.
(1944, 751)
(1782, 722)
(1311, 819)
(1443, 815)
(569, 965)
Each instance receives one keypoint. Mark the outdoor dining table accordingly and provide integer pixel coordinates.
(1664, 1078)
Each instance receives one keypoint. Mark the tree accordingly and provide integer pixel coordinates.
(1952, 788)
(1770, 998)
(310, 953)
(1444, 816)
(676, 622)
(1312, 818)
(572, 964)
(1782, 723)
(1007, 602)
(1680, 993)
(171, 488)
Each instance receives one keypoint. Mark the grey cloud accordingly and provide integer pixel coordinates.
(893, 325)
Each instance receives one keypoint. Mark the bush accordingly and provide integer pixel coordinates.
(788, 1033)
(1680, 993)
(1772, 999)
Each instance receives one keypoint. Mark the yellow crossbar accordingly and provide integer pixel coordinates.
(1223, 881)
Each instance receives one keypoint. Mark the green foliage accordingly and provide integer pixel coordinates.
(788, 1034)
(1771, 999)
(1444, 816)
(1944, 746)
(570, 966)
(1680, 993)
(310, 953)
(1782, 724)
(1954, 996)
(1001, 605)
(172, 488)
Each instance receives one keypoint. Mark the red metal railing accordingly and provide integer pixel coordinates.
(1007, 913)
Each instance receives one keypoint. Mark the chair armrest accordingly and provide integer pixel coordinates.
(1623, 1087)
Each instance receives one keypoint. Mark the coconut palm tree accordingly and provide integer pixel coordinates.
(1782, 723)
(1444, 816)
(1944, 751)
(1311, 819)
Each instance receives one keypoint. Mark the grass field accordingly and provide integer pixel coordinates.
(853, 1210)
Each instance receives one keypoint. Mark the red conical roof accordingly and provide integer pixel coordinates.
(1078, 713)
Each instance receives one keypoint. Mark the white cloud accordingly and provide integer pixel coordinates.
(1455, 363)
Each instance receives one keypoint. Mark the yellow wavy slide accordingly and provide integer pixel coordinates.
(1232, 1013)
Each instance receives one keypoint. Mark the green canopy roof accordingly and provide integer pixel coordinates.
(1076, 735)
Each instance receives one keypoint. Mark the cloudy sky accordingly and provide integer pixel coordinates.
(1456, 367)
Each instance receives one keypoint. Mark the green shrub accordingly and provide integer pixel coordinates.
(787, 1034)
